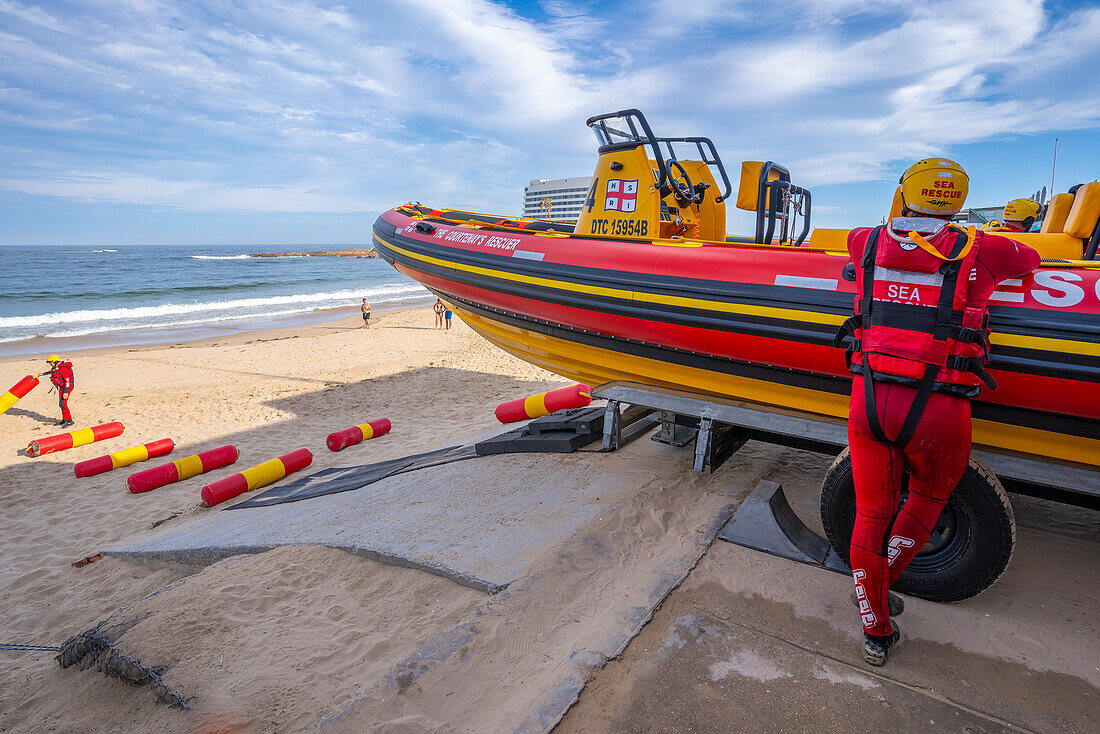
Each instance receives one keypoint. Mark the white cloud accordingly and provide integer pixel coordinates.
(302, 106)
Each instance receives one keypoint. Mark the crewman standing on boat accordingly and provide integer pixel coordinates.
(61, 376)
(1020, 214)
(919, 354)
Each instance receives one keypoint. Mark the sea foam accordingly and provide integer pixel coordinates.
(88, 321)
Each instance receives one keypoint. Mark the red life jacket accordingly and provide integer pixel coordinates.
(913, 323)
(62, 375)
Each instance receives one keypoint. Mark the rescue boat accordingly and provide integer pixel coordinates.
(647, 288)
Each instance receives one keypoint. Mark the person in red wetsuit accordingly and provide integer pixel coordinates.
(61, 375)
(918, 355)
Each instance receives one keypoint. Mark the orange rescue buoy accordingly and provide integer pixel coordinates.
(64, 441)
(545, 403)
(180, 469)
(118, 459)
(338, 440)
(17, 392)
(255, 477)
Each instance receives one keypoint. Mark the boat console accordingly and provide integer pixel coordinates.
(645, 189)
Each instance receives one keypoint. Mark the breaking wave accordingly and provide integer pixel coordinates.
(92, 321)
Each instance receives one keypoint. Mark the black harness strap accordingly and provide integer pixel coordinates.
(942, 331)
(943, 322)
(869, 251)
(920, 402)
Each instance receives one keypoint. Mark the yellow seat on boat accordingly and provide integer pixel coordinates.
(897, 205)
(1082, 218)
(1059, 246)
(823, 238)
(1057, 213)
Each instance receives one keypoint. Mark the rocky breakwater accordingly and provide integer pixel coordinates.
(320, 253)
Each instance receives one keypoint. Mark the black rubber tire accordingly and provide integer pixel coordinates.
(972, 545)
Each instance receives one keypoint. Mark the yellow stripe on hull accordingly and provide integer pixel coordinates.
(1041, 343)
(595, 365)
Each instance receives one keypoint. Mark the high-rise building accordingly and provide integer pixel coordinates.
(560, 199)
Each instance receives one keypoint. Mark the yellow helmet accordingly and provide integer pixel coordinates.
(1019, 210)
(936, 186)
(53, 358)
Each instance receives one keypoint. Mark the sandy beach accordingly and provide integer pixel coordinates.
(266, 392)
(308, 636)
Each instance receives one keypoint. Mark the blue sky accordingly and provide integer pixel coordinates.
(289, 122)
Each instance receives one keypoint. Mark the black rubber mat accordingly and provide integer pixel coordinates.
(331, 481)
(562, 432)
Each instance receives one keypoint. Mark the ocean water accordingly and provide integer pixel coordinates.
(131, 294)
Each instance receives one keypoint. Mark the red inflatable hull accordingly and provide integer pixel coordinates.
(740, 320)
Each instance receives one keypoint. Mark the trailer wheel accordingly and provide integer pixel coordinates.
(969, 550)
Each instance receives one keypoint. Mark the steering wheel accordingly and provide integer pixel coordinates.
(681, 184)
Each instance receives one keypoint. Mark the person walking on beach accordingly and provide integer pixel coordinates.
(61, 376)
(365, 308)
(919, 353)
(439, 308)
(447, 317)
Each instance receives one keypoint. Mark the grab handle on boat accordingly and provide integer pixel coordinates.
(424, 228)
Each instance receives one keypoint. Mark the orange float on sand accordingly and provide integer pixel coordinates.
(545, 403)
(17, 392)
(64, 441)
(180, 469)
(255, 477)
(118, 459)
(338, 440)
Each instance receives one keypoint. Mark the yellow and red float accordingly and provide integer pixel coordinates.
(338, 440)
(119, 459)
(17, 392)
(255, 477)
(63, 441)
(545, 403)
(180, 469)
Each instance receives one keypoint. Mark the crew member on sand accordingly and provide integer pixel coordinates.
(1020, 214)
(365, 308)
(61, 375)
(921, 342)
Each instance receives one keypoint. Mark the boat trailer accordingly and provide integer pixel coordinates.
(765, 520)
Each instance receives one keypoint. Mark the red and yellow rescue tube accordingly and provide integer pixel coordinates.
(17, 392)
(119, 459)
(258, 476)
(545, 403)
(180, 469)
(338, 440)
(84, 436)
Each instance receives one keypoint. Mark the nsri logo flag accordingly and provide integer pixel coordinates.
(622, 196)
